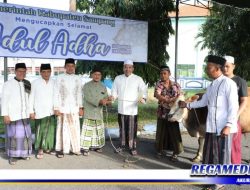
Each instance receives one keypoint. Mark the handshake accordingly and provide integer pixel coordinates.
(106, 101)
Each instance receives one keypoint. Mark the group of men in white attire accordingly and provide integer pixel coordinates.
(56, 105)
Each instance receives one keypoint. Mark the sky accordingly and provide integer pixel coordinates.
(51, 4)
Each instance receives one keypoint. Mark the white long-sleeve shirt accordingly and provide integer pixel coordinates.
(41, 98)
(15, 101)
(128, 90)
(68, 93)
(221, 98)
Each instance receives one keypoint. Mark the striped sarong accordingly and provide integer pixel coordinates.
(128, 130)
(45, 133)
(217, 149)
(68, 133)
(93, 135)
(18, 138)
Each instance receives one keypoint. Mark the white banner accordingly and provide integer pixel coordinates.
(46, 33)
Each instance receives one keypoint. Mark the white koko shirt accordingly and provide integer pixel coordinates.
(128, 90)
(68, 93)
(41, 98)
(15, 100)
(221, 98)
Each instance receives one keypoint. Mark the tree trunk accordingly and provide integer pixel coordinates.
(72, 5)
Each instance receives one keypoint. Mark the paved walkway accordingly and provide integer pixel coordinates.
(109, 160)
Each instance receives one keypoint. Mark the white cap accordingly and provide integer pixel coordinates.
(128, 62)
(229, 59)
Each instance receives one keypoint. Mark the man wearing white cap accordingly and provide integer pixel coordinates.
(242, 93)
(128, 88)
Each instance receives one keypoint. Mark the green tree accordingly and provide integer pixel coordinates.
(153, 11)
(227, 31)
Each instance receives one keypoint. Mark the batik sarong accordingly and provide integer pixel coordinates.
(68, 133)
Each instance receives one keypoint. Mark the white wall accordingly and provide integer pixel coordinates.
(187, 52)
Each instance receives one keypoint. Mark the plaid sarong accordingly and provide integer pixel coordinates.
(93, 135)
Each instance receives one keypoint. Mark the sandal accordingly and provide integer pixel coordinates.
(12, 161)
(197, 159)
(26, 158)
(51, 152)
(47, 151)
(77, 153)
(133, 152)
(85, 153)
(99, 150)
(39, 155)
(60, 155)
(174, 158)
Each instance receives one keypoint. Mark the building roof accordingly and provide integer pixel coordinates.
(190, 11)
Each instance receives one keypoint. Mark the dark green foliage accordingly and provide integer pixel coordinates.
(153, 11)
(227, 31)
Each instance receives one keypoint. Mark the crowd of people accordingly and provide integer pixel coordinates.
(56, 106)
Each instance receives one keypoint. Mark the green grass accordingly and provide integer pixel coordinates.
(1, 125)
(146, 114)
